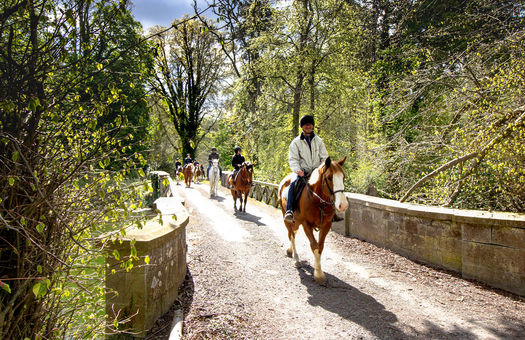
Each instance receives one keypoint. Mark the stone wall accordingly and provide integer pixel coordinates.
(148, 290)
(481, 245)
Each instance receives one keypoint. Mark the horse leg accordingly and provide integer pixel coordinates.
(240, 199)
(246, 193)
(292, 251)
(234, 195)
(320, 276)
(318, 273)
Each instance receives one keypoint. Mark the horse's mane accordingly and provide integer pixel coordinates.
(314, 177)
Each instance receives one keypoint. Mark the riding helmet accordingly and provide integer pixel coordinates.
(237, 148)
(306, 119)
(213, 149)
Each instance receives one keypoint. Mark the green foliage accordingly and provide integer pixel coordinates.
(188, 69)
(72, 112)
(401, 88)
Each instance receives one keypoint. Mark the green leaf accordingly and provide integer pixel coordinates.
(40, 227)
(116, 254)
(133, 252)
(11, 181)
(5, 287)
(39, 289)
(146, 259)
(39, 269)
(15, 156)
(141, 173)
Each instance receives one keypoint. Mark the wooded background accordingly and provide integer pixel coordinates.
(424, 97)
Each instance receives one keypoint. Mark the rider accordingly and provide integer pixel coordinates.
(187, 160)
(213, 155)
(307, 152)
(178, 165)
(237, 161)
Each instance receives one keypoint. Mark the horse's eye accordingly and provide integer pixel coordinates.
(330, 179)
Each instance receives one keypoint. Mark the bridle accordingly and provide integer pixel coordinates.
(245, 180)
(324, 204)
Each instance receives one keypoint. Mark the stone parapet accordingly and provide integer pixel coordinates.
(481, 245)
(147, 291)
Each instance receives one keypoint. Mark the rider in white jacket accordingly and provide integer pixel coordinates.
(306, 153)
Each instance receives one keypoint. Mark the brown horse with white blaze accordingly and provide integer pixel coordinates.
(321, 197)
(188, 174)
(242, 184)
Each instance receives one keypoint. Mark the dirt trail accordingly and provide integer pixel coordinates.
(241, 285)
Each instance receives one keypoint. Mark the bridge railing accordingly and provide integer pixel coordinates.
(261, 191)
(482, 245)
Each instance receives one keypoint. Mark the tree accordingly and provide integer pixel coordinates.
(189, 67)
(58, 131)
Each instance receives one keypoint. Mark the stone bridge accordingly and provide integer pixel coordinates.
(481, 245)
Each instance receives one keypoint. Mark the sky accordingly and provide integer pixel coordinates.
(162, 12)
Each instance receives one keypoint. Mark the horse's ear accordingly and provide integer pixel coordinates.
(342, 161)
(327, 162)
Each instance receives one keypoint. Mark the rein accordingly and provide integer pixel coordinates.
(240, 173)
(323, 203)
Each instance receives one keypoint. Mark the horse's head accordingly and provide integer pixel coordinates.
(215, 163)
(247, 167)
(332, 176)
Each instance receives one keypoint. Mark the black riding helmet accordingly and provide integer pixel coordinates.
(306, 119)
(237, 148)
(214, 149)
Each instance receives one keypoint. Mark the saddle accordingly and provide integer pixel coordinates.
(299, 186)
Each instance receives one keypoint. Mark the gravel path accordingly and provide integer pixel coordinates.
(241, 285)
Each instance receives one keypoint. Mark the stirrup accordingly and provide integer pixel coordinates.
(288, 216)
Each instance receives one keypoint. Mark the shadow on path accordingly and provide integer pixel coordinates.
(350, 303)
(218, 198)
(248, 217)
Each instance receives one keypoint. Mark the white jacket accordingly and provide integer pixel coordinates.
(301, 157)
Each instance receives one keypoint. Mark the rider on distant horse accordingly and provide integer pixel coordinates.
(307, 152)
(178, 164)
(187, 160)
(237, 161)
(213, 155)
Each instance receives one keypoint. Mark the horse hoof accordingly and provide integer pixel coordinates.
(289, 253)
(319, 278)
(298, 264)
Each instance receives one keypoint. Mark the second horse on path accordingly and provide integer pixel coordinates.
(214, 177)
(242, 184)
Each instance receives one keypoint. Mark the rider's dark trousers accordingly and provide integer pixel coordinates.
(290, 202)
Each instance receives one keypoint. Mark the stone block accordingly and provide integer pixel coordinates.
(451, 253)
(410, 225)
(510, 237)
(476, 233)
(450, 229)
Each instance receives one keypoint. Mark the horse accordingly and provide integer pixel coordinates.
(214, 177)
(241, 185)
(319, 200)
(197, 173)
(188, 174)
